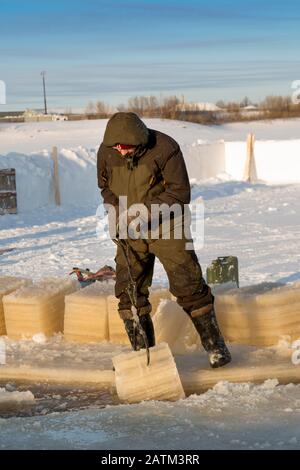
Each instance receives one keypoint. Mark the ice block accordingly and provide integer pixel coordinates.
(135, 381)
(173, 326)
(86, 314)
(156, 295)
(9, 284)
(117, 333)
(259, 315)
(37, 308)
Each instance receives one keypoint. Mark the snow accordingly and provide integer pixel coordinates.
(215, 151)
(258, 222)
(32, 137)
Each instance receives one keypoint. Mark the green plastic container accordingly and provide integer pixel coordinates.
(222, 270)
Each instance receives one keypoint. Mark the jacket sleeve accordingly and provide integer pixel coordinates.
(176, 181)
(108, 196)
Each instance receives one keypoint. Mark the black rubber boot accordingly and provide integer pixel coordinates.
(212, 339)
(135, 337)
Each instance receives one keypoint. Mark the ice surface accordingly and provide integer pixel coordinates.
(7, 285)
(173, 326)
(86, 313)
(229, 416)
(135, 381)
(260, 314)
(37, 308)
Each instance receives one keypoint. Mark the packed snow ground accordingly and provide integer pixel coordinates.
(259, 223)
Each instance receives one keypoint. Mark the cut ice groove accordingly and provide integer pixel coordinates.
(49, 399)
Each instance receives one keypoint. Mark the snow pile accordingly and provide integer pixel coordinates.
(224, 394)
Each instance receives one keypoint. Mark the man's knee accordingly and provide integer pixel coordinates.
(200, 302)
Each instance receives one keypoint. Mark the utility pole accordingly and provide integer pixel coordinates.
(44, 89)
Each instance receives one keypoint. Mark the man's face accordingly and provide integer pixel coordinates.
(123, 151)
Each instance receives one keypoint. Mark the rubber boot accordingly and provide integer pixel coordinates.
(136, 339)
(211, 337)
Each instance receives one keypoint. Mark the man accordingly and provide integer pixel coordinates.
(147, 167)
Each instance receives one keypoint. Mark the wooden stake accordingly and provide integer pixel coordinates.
(55, 176)
(250, 169)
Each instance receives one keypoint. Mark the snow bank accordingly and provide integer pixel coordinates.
(210, 152)
(205, 160)
(34, 177)
(276, 161)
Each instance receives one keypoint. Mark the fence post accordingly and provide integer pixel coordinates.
(55, 176)
(250, 167)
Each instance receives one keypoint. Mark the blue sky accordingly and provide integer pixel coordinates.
(113, 49)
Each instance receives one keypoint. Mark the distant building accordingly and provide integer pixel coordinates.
(250, 107)
(209, 107)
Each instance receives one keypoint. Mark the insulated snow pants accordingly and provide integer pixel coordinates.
(182, 268)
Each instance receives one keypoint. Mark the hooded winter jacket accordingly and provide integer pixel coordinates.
(154, 174)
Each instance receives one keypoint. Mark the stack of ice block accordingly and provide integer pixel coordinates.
(259, 315)
(37, 308)
(135, 381)
(86, 314)
(91, 314)
(9, 284)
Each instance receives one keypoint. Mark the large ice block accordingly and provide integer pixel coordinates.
(173, 326)
(259, 315)
(135, 381)
(116, 328)
(86, 314)
(9, 284)
(158, 294)
(37, 308)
